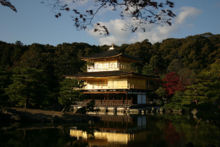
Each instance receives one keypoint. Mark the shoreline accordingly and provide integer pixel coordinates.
(13, 114)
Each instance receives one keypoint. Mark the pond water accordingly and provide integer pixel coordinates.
(147, 130)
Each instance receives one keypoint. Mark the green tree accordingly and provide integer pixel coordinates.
(207, 86)
(147, 69)
(204, 91)
(174, 66)
(4, 82)
(178, 101)
(187, 76)
(157, 63)
(42, 57)
(28, 88)
(141, 50)
(67, 57)
(68, 93)
(161, 92)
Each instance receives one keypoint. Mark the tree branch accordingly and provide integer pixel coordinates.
(8, 4)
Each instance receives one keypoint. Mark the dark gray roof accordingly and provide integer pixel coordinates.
(110, 54)
(109, 74)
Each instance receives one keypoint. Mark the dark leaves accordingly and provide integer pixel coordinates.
(170, 13)
(101, 29)
(8, 4)
(58, 15)
(144, 11)
(154, 4)
(134, 29)
(170, 4)
(75, 11)
(164, 11)
(90, 12)
(172, 83)
(160, 5)
(169, 23)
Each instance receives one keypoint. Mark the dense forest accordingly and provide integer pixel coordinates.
(33, 75)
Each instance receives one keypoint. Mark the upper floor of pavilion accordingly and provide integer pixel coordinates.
(111, 60)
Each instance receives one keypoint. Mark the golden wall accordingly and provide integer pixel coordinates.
(103, 66)
(109, 66)
(125, 66)
(131, 83)
(107, 84)
(135, 83)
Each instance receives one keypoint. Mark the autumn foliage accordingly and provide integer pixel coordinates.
(172, 82)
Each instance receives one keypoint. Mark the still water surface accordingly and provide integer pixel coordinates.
(134, 131)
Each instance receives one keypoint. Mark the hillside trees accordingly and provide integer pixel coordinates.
(141, 50)
(28, 88)
(4, 82)
(172, 83)
(42, 57)
(147, 69)
(169, 49)
(21, 66)
(10, 53)
(67, 94)
(207, 85)
(191, 61)
(203, 93)
(67, 57)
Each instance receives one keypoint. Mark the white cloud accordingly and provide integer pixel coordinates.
(153, 33)
(185, 13)
(115, 27)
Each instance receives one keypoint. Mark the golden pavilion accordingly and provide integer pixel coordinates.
(111, 80)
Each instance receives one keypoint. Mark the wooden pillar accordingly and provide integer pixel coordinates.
(126, 97)
(107, 98)
(113, 98)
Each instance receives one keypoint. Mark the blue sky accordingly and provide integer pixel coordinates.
(35, 23)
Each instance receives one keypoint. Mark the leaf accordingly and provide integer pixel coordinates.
(8, 4)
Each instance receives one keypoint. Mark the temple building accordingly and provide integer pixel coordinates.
(111, 80)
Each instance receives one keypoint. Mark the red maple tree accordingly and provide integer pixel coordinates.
(172, 82)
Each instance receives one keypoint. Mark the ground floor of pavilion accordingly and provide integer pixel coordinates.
(109, 98)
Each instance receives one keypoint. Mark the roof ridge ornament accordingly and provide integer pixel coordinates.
(112, 47)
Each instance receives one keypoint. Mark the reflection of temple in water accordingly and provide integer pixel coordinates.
(108, 137)
(135, 122)
(114, 130)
